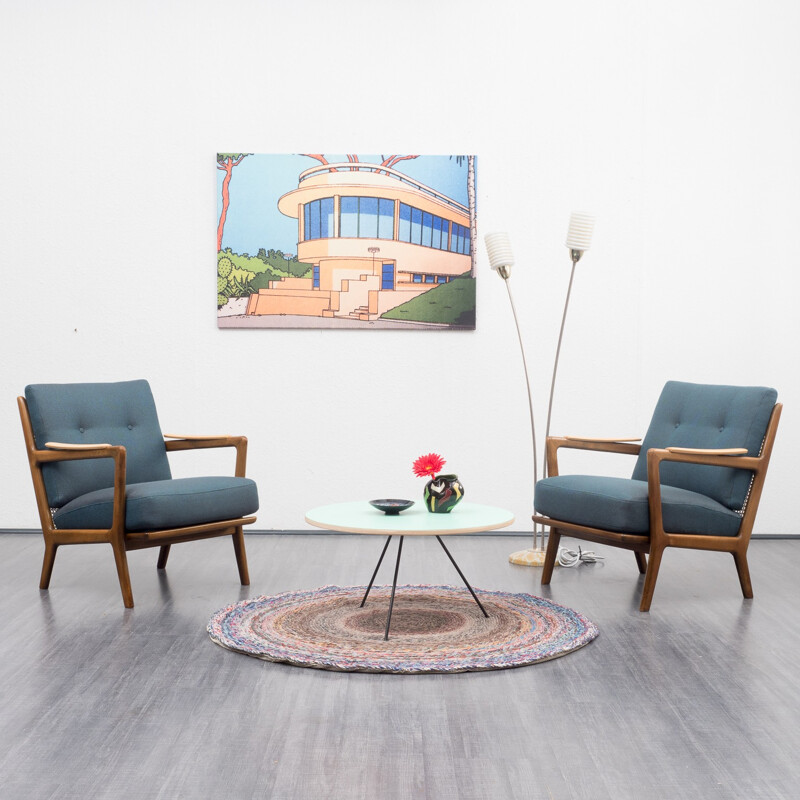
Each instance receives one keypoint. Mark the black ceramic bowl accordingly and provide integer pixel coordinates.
(391, 506)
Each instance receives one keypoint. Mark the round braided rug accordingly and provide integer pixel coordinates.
(434, 629)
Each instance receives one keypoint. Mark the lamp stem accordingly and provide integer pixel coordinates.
(576, 254)
(506, 278)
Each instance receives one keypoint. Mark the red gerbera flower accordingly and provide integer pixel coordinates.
(427, 466)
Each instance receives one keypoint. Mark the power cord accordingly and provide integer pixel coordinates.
(570, 558)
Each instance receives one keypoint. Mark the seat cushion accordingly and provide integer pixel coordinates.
(163, 504)
(621, 505)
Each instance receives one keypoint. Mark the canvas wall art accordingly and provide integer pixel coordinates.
(346, 241)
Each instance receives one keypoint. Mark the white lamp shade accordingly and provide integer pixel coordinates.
(498, 246)
(579, 234)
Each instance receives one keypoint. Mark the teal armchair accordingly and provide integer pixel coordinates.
(696, 484)
(101, 474)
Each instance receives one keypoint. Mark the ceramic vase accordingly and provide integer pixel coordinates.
(443, 493)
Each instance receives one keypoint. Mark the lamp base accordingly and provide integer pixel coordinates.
(528, 558)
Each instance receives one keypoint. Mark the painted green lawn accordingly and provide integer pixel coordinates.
(450, 303)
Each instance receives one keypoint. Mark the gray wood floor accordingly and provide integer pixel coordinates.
(700, 698)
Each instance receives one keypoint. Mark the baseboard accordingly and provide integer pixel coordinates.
(305, 532)
(272, 532)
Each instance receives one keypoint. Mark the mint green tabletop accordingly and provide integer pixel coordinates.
(361, 517)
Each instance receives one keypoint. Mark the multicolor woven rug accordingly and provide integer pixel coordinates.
(434, 629)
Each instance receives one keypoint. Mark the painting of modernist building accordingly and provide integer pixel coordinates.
(346, 241)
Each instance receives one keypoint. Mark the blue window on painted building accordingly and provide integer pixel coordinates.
(459, 239)
(366, 218)
(348, 217)
(427, 229)
(385, 218)
(404, 223)
(416, 226)
(420, 227)
(316, 276)
(439, 226)
(387, 276)
(318, 219)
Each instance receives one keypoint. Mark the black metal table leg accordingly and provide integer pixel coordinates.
(466, 582)
(394, 588)
(372, 579)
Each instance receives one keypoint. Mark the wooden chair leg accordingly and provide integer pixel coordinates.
(740, 560)
(553, 541)
(163, 555)
(641, 562)
(121, 558)
(651, 576)
(241, 556)
(47, 564)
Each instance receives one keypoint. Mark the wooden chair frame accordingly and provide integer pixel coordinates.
(121, 540)
(654, 543)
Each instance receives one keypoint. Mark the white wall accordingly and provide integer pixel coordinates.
(676, 123)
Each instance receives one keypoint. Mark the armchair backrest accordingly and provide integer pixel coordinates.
(95, 413)
(708, 416)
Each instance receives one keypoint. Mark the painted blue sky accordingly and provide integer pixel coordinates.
(254, 220)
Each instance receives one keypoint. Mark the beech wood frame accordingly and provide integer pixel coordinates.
(121, 540)
(657, 540)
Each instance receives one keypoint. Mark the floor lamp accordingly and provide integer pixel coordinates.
(501, 259)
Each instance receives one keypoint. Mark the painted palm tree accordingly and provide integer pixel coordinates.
(473, 224)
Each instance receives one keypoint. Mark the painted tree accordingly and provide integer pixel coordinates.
(473, 225)
(319, 157)
(388, 161)
(226, 162)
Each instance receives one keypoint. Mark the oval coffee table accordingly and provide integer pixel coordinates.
(361, 517)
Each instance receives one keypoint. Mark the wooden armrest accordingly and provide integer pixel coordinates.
(597, 439)
(196, 438)
(699, 451)
(628, 447)
(67, 446)
(177, 442)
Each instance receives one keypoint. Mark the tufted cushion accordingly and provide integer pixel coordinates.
(708, 416)
(94, 413)
(620, 504)
(164, 504)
